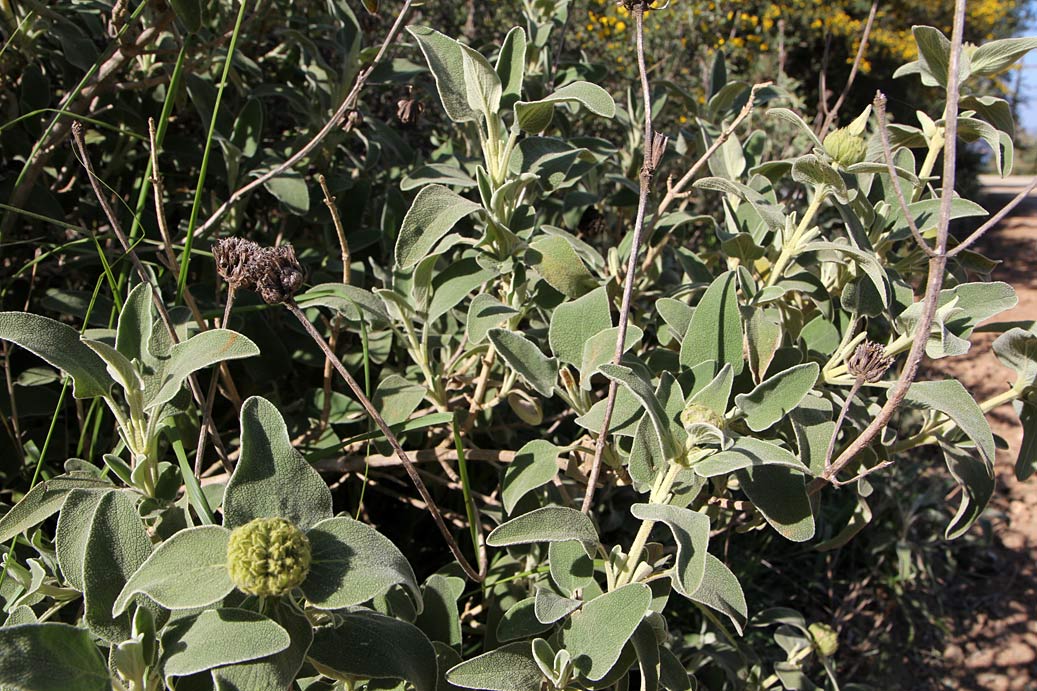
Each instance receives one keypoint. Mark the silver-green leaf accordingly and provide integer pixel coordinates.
(435, 211)
(596, 634)
(691, 532)
(444, 58)
(523, 356)
(218, 637)
(59, 345)
(51, 657)
(271, 478)
(510, 667)
(368, 645)
(188, 570)
(547, 524)
(352, 563)
(535, 465)
(774, 398)
(715, 331)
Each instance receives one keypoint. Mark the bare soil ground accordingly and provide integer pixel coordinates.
(992, 635)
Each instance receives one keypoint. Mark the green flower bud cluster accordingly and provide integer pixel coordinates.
(696, 414)
(845, 148)
(268, 557)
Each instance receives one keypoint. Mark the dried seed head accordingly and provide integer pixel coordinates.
(234, 257)
(869, 362)
(409, 109)
(658, 150)
(278, 274)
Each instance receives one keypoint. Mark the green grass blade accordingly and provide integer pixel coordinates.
(185, 258)
(469, 503)
(160, 135)
(195, 495)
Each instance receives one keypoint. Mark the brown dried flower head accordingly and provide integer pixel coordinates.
(869, 362)
(234, 257)
(278, 274)
(409, 109)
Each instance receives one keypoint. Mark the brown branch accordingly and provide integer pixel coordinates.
(654, 146)
(937, 266)
(408, 465)
(158, 188)
(887, 154)
(557, 57)
(348, 103)
(356, 463)
(995, 219)
(336, 219)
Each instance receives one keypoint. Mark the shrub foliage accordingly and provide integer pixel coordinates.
(620, 342)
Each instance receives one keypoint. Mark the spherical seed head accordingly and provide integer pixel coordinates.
(845, 148)
(268, 557)
(826, 639)
(869, 362)
(233, 258)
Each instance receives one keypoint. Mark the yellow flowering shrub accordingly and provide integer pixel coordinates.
(744, 30)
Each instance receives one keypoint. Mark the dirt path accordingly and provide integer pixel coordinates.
(994, 635)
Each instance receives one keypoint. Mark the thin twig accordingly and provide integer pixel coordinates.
(348, 103)
(857, 383)
(675, 191)
(865, 35)
(329, 370)
(80, 143)
(336, 219)
(158, 189)
(937, 266)
(887, 154)
(995, 219)
(357, 463)
(822, 80)
(15, 431)
(408, 465)
(652, 153)
(210, 399)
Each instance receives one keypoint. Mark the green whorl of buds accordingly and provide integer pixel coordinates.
(696, 414)
(826, 640)
(268, 557)
(845, 148)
